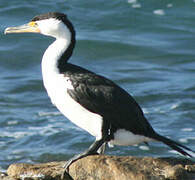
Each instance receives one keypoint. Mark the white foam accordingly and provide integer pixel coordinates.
(44, 131)
(187, 129)
(183, 140)
(160, 12)
(12, 122)
(2, 143)
(174, 106)
(15, 135)
(169, 5)
(145, 111)
(145, 148)
(132, 1)
(136, 5)
(189, 152)
(174, 152)
(49, 113)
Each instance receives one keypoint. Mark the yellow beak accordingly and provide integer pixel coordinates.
(31, 27)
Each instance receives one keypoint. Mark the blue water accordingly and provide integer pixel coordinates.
(147, 47)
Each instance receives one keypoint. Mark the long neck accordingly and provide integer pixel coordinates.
(57, 55)
(66, 55)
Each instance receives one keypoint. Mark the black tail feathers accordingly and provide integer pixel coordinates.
(174, 145)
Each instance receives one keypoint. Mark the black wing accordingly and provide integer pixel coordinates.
(102, 96)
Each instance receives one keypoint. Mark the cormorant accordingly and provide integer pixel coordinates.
(91, 101)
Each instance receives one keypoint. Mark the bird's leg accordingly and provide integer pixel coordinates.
(101, 150)
(91, 151)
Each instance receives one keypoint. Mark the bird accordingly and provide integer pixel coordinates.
(91, 101)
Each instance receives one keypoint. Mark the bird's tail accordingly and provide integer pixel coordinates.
(174, 145)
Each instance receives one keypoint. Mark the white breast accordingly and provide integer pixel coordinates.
(57, 85)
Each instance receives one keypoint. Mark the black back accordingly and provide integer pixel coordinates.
(102, 96)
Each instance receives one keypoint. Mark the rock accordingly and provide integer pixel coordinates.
(102, 167)
(4, 176)
(52, 170)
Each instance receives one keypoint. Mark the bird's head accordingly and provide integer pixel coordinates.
(52, 24)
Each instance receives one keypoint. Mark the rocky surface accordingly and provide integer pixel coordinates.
(107, 168)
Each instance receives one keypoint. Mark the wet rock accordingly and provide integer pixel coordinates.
(109, 168)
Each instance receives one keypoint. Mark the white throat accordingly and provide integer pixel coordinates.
(57, 29)
(50, 59)
(52, 54)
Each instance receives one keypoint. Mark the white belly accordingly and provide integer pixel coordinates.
(56, 85)
(57, 90)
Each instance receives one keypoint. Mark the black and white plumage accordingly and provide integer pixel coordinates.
(91, 101)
